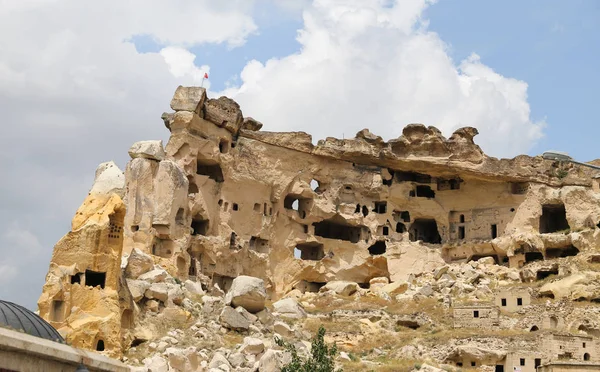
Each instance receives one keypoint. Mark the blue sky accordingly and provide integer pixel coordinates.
(74, 93)
(553, 46)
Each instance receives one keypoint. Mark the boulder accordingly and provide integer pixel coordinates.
(225, 113)
(247, 292)
(219, 360)
(283, 329)
(138, 263)
(252, 345)
(156, 364)
(188, 99)
(152, 150)
(342, 288)
(288, 307)
(251, 124)
(231, 319)
(137, 288)
(395, 288)
(154, 276)
(158, 291)
(109, 179)
(193, 287)
(273, 361)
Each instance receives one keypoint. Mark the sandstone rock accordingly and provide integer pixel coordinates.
(154, 276)
(273, 361)
(236, 359)
(252, 345)
(290, 308)
(137, 288)
(396, 288)
(156, 364)
(283, 329)
(438, 272)
(224, 112)
(243, 312)
(231, 319)
(152, 150)
(175, 314)
(175, 294)
(265, 317)
(193, 287)
(219, 360)
(152, 305)
(251, 124)
(109, 179)
(342, 288)
(247, 292)
(188, 99)
(138, 263)
(158, 291)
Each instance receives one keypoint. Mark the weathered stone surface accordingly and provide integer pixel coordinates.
(188, 99)
(224, 112)
(290, 308)
(251, 124)
(148, 150)
(252, 345)
(137, 288)
(247, 292)
(423, 223)
(138, 263)
(341, 287)
(231, 319)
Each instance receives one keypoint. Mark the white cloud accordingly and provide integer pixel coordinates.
(373, 63)
(74, 93)
(181, 64)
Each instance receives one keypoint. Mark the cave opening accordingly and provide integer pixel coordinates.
(543, 274)
(199, 226)
(533, 256)
(424, 191)
(378, 248)
(310, 251)
(332, 229)
(95, 278)
(553, 218)
(568, 251)
(425, 230)
(210, 169)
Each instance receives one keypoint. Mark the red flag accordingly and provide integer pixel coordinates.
(206, 75)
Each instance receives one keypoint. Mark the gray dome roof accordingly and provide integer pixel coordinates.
(19, 318)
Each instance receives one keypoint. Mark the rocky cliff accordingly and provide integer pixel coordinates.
(413, 234)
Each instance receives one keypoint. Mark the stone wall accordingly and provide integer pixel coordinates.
(25, 353)
(476, 316)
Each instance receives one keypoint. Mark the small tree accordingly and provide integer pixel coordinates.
(321, 359)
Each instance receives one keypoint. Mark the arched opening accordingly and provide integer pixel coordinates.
(553, 322)
(100, 345)
(586, 356)
(462, 218)
(534, 329)
(127, 319)
(425, 230)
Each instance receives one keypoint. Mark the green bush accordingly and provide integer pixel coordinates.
(322, 358)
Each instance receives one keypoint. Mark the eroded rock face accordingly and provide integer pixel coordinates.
(228, 210)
